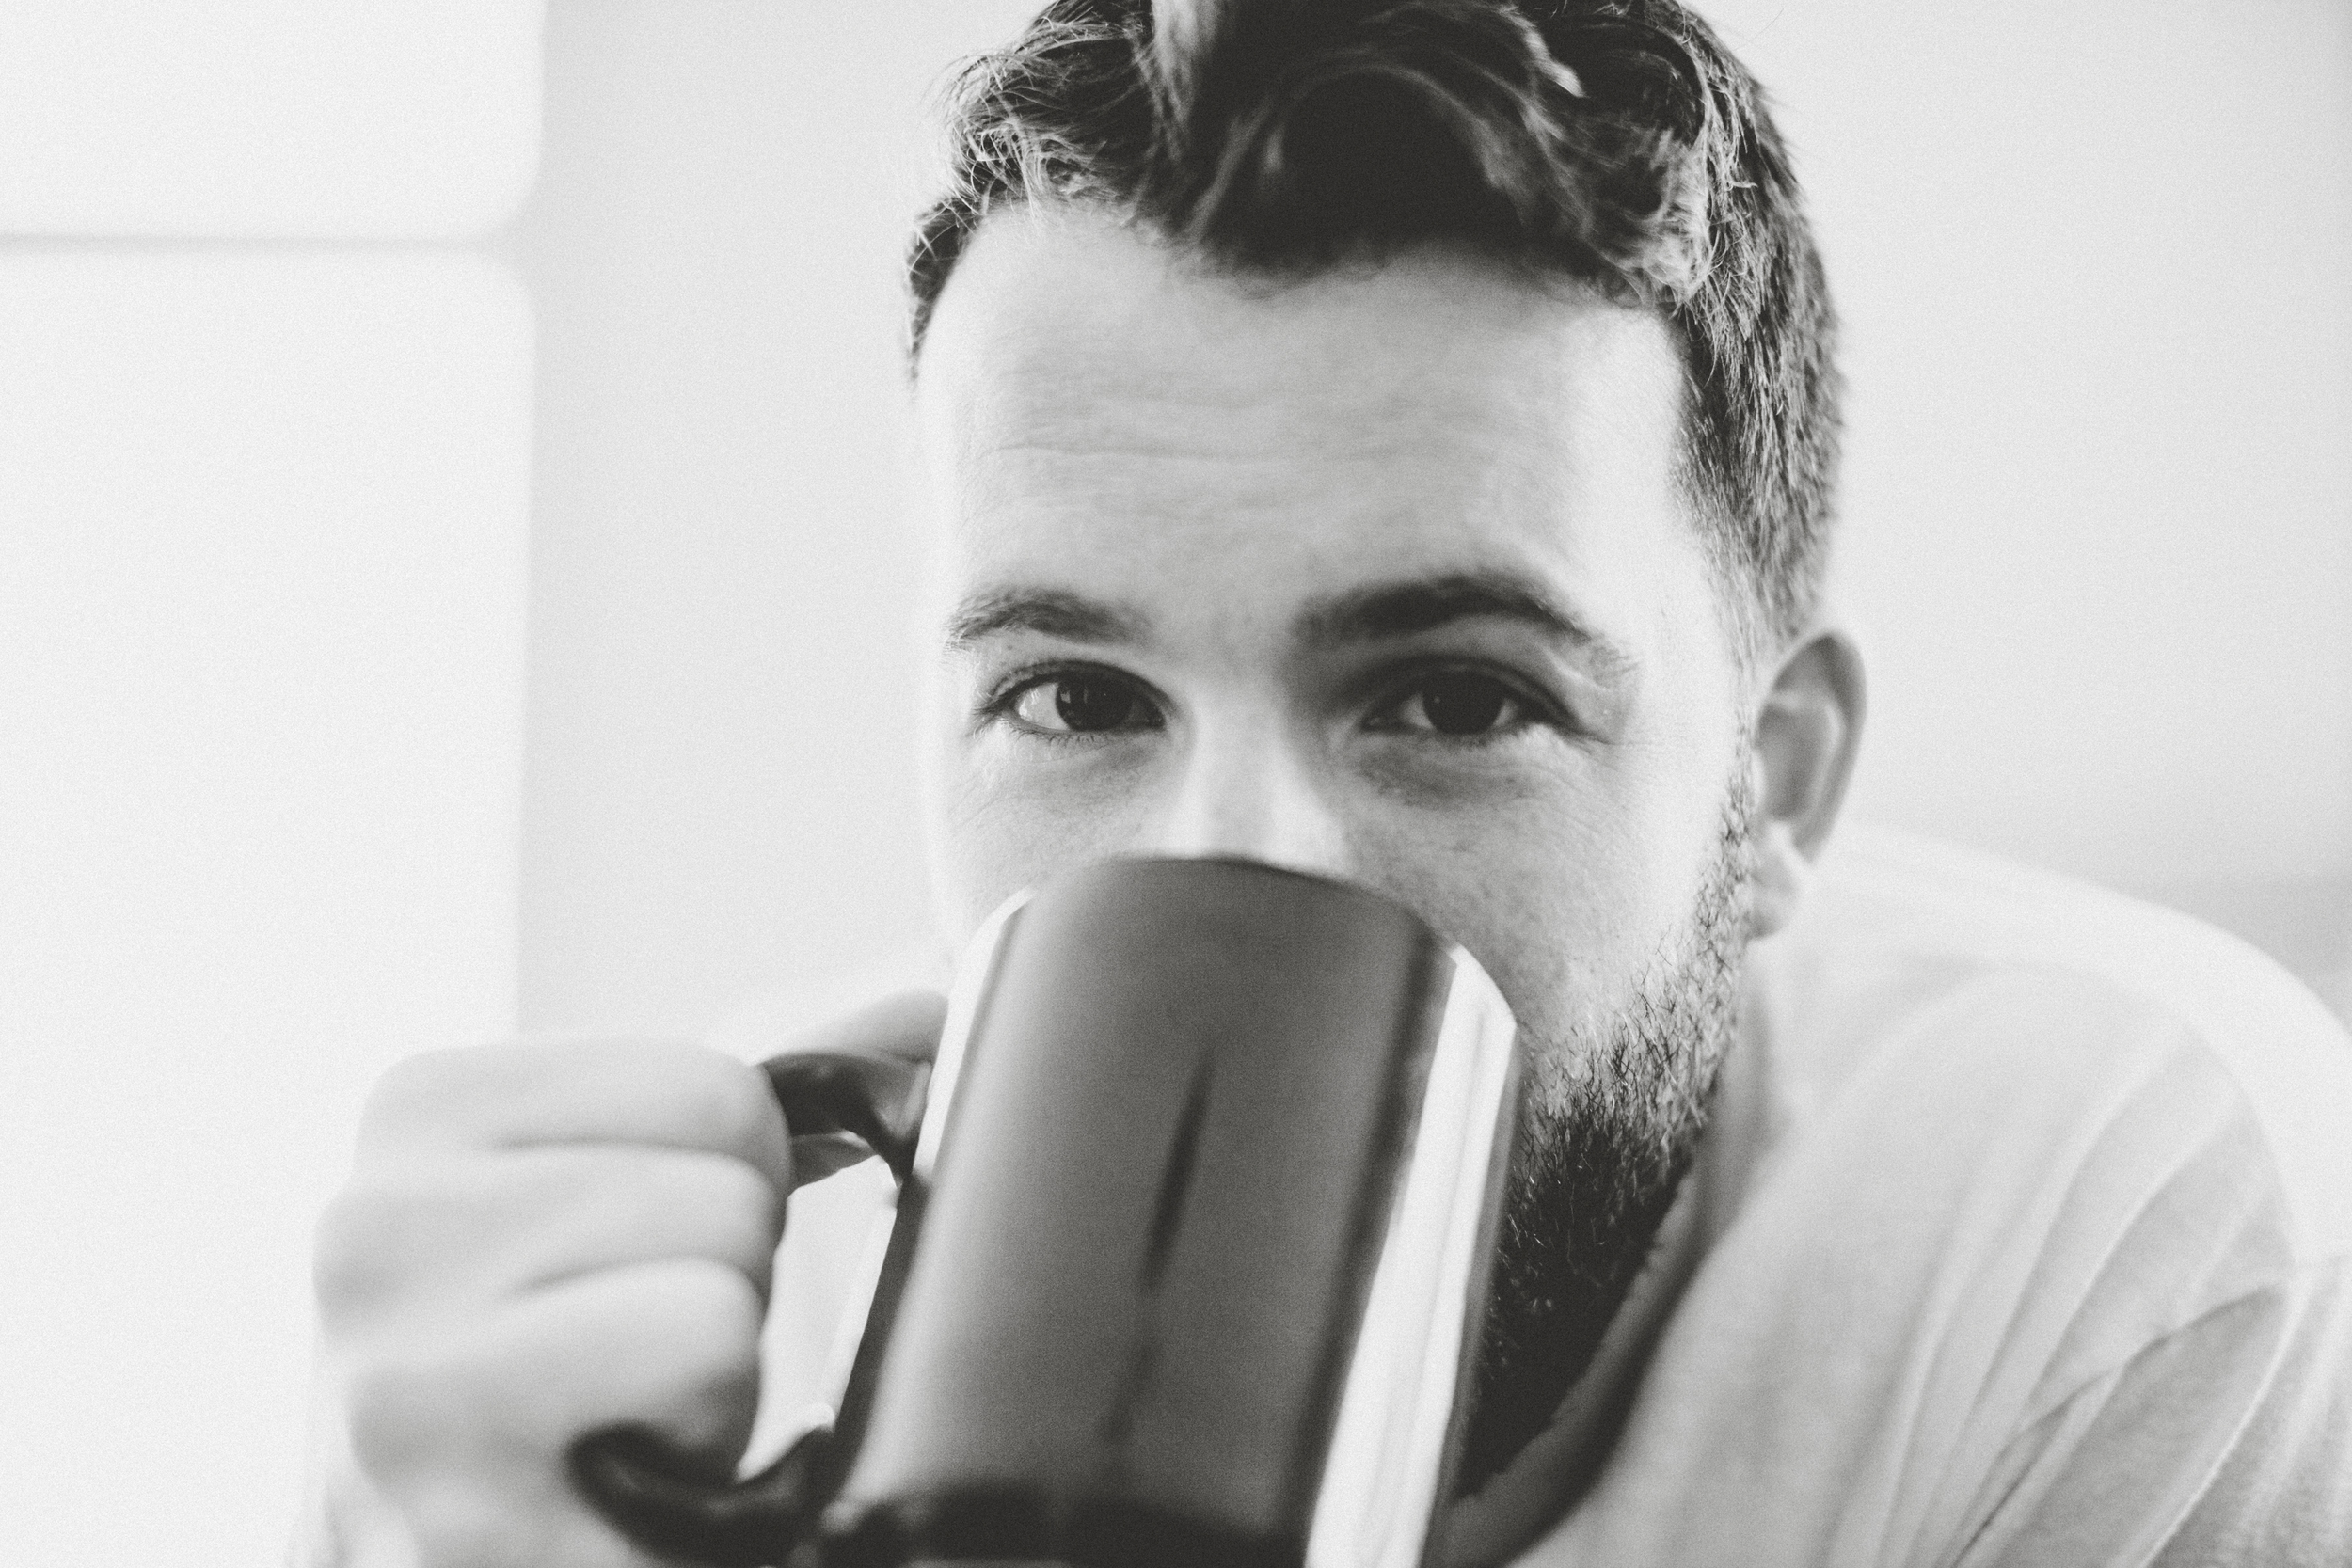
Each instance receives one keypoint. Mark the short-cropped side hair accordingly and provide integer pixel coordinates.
(1616, 142)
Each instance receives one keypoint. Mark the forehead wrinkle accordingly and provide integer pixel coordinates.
(1136, 446)
(1059, 328)
(1243, 424)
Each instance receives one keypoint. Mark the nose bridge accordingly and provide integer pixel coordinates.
(1248, 786)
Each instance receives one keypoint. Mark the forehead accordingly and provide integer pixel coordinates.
(1088, 392)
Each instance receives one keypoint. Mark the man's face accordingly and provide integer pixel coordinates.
(1384, 575)
(1381, 574)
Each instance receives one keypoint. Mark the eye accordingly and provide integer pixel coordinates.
(1458, 703)
(1082, 702)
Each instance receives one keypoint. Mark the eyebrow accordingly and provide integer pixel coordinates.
(1380, 612)
(1408, 609)
(1047, 611)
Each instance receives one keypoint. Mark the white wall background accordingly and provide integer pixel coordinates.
(2096, 263)
(307, 763)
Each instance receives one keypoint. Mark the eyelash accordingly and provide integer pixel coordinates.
(1001, 701)
(1537, 709)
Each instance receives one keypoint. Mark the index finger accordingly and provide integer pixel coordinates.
(578, 1091)
(903, 1026)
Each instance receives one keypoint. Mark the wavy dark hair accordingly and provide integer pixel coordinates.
(1614, 141)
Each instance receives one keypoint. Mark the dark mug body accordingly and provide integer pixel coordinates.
(1191, 1250)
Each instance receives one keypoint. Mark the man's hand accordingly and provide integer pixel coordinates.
(539, 1241)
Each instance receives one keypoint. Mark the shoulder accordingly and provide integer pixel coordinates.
(1994, 998)
(2023, 1212)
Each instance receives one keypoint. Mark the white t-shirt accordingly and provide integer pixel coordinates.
(2021, 1235)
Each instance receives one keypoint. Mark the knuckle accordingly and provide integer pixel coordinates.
(349, 1268)
(468, 1530)
(729, 1103)
(416, 1089)
(457, 1527)
(475, 1525)
(743, 1206)
(714, 1315)
(374, 1238)
(405, 1411)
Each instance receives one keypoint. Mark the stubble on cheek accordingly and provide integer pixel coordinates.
(1612, 1119)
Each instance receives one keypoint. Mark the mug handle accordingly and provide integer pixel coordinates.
(668, 1504)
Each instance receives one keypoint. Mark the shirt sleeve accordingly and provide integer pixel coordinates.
(2283, 1494)
(2166, 1461)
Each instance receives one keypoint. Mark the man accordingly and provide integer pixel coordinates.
(1397, 441)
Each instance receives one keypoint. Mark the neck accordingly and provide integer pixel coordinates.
(1513, 1507)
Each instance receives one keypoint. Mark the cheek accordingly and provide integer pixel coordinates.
(961, 834)
(1570, 895)
(993, 830)
(1553, 896)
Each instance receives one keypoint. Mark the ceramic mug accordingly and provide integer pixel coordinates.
(1190, 1252)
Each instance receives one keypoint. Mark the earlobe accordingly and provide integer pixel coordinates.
(1809, 729)
(1781, 873)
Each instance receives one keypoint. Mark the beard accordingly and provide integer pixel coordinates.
(1612, 1119)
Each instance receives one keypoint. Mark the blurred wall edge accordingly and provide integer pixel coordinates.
(262, 548)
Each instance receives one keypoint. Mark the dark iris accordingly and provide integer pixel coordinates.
(1087, 703)
(1462, 705)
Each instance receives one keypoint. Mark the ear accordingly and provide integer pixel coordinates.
(1808, 727)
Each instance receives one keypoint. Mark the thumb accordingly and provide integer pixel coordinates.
(903, 1026)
